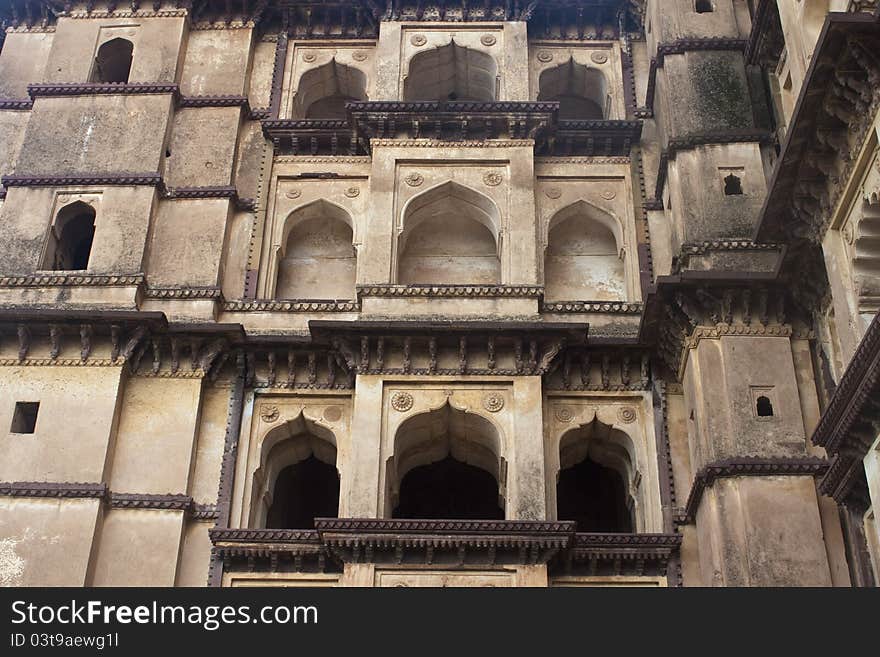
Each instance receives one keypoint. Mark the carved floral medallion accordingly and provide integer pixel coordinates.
(402, 401)
(269, 412)
(493, 402)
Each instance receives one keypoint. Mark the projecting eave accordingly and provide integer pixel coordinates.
(779, 218)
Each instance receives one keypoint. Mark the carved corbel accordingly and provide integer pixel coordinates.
(345, 355)
(291, 368)
(270, 357)
(115, 341)
(548, 362)
(210, 353)
(24, 341)
(365, 355)
(175, 354)
(85, 341)
(55, 339)
(432, 354)
(313, 368)
(157, 355)
(134, 340)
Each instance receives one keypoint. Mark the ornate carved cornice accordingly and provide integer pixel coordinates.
(292, 306)
(445, 291)
(15, 104)
(448, 542)
(590, 369)
(465, 143)
(70, 280)
(830, 124)
(67, 490)
(699, 308)
(213, 293)
(225, 191)
(122, 178)
(851, 423)
(51, 489)
(168, 502)
(100, 88)
(604, 307)
(747, 467)
(215, 101)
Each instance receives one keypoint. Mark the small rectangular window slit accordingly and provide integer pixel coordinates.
(24, 419)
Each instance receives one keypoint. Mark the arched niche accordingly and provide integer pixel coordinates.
(583, 260)
(443, 461)
(317, 259)
(300, 455)
(450, 237)
(582, 91)
(323, 91)
(598, 482)
(113, 61)
(451, 73)
(71, 237)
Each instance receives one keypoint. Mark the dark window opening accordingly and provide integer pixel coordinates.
(24, 419)
(449, 490)
(579, 90)
(304, 491)
(704, 6)
(113, 61)
(70, 243)
(595, 497)
(733, 186)
(765, 407)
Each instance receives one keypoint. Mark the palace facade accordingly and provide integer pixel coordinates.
(442, 293)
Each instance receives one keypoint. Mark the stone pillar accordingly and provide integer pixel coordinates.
(359, 489)
(757, 526)
(527, 486)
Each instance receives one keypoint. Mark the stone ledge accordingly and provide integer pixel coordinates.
(747, 467)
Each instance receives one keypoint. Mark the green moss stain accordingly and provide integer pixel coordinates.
(722, 96)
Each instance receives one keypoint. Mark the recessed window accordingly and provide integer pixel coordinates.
(704, 6)
(113, 61)
(733, 185)
(24, 419)
(71, 237)
(764, 407)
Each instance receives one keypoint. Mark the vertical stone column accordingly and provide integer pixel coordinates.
(387, 61)
(521, 234)
(758, 518)
(374, 260)
(527, 486)
(359, 490)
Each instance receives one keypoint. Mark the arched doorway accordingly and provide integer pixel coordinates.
(446, 465)
(593, 485)
(297, 480)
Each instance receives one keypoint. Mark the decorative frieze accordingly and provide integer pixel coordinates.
(65, 280)
(442, 291)
(66, 180)
(605, 307)
(100, 88)
(213, 293)
(242, 306)
(51, 489)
